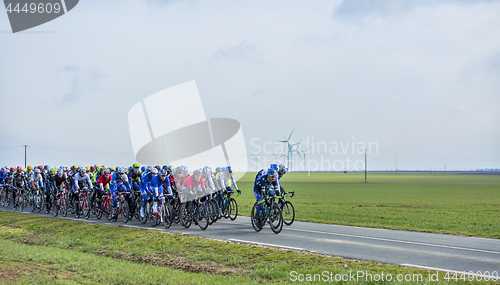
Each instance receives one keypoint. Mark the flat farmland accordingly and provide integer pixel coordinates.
(460, 204)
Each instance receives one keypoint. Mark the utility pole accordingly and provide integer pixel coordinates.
(25, 146)
(365, 165)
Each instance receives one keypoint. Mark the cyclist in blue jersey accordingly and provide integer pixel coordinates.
(159, 184)
(119, 182)
(265, 183)
(146, 187)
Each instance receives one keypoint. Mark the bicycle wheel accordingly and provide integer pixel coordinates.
(233, 209)
(39, 199)
(108, 210)
(55, 204)
(288, 212)
(167, 216)
(202, 216)
(86, 207)
(275, 218)
(124, 209)
(257, 226)
(225, 208)
(63, 205)
(185, 215)
(98, 209)
(33, 202)
(146, 214)
(153, 216)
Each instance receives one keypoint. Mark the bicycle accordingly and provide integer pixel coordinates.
(37, 198)
(81, 203)
(194, 211)
(122, 208)
(229, 207)
(271, 213)
(287, 208)
(18, 199)
(58, 202)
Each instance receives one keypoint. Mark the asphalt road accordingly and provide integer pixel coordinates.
(411, 249)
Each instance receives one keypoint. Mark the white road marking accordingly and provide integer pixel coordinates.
(266, 244)
(399, 241)
(452, 271)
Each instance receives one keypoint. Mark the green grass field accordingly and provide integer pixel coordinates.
(441, 203)
(47, 251)
(40, 250)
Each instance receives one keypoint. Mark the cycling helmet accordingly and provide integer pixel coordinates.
(143, 168)
(157, 167)
(163, 172)
(81, 170)
(164, 167)
(271, 172)
(207, 170)
(12, 169)
(149, 168)
(30, 167)
(40, 167)
(154, 171)
(282, 167)
(229, 169)
(130, 168)
(184, 169)
(136, 165)
(274, 166)
(2, 170)
(53, 171)
(107, 171)
(120, 170)
(87, 169)
(197, 173)
(169, 167)
(217, 169)
(60, 171)
(111, 169)
(46, 167)
(75, 167)
(92, 168)
(223, 169)
(37, 171)
(19, 169)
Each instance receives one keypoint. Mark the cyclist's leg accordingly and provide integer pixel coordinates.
(259, 199)
(47, 196)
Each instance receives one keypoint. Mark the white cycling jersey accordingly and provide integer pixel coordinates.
(80, 178)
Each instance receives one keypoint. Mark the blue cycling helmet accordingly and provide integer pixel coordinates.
(120, 170)
(229, 169)
(274, 166)
(143, 168)
(223, 169)
(271, 172)
(163, 172)
(217, 169)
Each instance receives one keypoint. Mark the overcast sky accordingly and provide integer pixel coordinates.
(418, 78)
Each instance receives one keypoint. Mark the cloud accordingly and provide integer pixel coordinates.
(84, 81)
(243, 50)
(356, 9)
(362, 8)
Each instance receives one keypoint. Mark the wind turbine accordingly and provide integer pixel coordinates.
(255, 156)
(299, 151)
(287, 141)
(294, 150)
(276, 156)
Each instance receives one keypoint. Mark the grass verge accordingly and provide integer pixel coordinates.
(44, 250)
